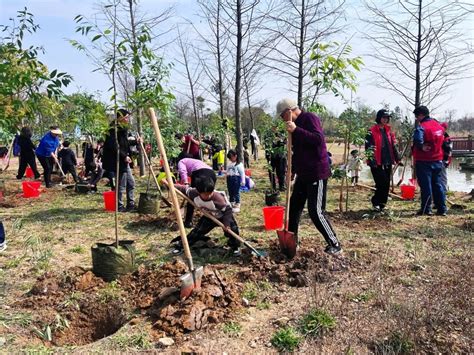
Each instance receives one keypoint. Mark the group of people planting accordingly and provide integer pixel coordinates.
(310, 169)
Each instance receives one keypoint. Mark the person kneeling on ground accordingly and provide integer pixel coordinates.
(216, 203)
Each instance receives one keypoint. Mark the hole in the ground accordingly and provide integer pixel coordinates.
(93, 322)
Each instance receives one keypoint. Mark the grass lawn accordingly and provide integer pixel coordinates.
(403, 284)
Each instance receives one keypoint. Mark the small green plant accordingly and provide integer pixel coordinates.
(250, 291)
(37, 350)
(111, 292)
(140, 341)
(141, 256)
(20, 319)
(316, 322)
(232, 329)
(362, 297)
(78, 249)
(13, 263)
(60, 323)
(72, 300)
(286, 339)
(396, 343)
(263, 305)
(44, 334)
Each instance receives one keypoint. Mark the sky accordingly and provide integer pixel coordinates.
(55, 18)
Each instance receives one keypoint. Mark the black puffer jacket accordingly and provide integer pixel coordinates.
(109, 156)
(27, 148)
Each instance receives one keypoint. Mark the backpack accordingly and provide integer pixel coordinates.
(16, 147)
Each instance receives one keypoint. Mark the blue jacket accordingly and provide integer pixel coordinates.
(47, 145)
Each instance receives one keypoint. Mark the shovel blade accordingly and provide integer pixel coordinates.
(288, 243)
(191, 281)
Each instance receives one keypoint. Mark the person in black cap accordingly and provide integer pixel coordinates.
(428, 139)
(109, 159)
(381, 142)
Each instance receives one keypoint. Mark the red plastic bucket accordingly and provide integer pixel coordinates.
(29, 173)
(31, 188)
(408, 192)
(273, 217)
(109, 200)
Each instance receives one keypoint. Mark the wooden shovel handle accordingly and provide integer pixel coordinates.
(172, 190)
(373, 189)
(289, 155)
(10, 153)
(148, 162)
(153, 173)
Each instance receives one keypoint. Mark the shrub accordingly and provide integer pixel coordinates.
(286, 339)
(316, 322)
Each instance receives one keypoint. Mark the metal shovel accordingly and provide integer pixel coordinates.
(191, 280)
(288, 241)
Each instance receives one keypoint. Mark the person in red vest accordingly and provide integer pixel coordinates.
(428, 139)
(381, 141)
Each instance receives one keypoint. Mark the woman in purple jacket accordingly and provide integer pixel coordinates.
(311, 166)
(194, 169)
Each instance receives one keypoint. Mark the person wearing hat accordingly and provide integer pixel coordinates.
(126, 182)
(380, 141)
(428, 139)
(311, 167)
(46, 153)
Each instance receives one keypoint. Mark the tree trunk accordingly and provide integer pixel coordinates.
(238, 69)
(418, 58)
(300, 55)
(219, 75)
(141, 161)
(252, 123)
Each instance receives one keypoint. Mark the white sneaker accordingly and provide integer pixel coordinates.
(236, 207)
(3, 246)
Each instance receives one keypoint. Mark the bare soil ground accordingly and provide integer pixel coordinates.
(403, 284)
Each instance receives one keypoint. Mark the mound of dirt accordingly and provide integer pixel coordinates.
(93, 309)
(296, 272)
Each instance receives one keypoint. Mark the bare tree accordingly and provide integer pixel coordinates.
(214, 56)
(420, 46)
(192, 73)
(244, 22)
(300, 25)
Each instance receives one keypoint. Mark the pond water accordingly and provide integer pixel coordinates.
(458, 180)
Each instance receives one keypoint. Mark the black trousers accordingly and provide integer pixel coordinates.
(69, 168)
(278, 165)
(315, 193)
(382, 176)
(47, 164)
(205, 225)
(24, 162)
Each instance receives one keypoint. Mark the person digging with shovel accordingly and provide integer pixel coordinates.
(311, 166)
(46, 153)
(216, 203)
